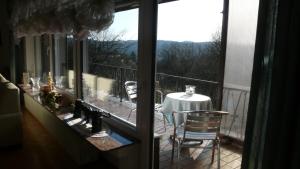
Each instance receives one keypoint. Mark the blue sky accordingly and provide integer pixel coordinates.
(183, 20)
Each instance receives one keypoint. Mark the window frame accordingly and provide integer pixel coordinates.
(143, 131)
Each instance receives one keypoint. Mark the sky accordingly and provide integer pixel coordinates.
(183, 20)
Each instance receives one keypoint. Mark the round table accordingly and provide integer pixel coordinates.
(182, 102)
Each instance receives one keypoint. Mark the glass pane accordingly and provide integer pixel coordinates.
(109, 61)
(187, 76)
(63, 63)
(34, 57)
(46, 58)
(189, 46)
(238, 66)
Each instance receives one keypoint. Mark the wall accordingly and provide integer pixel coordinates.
(4, 42)
(242, 22)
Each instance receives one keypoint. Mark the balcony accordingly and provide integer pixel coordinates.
(235, 101)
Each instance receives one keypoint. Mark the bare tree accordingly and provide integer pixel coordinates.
(177, 58)
(107, 47)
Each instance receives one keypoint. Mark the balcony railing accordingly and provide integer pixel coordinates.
(165, 82)
(235, 101)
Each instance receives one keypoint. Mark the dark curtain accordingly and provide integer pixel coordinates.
(273, 128)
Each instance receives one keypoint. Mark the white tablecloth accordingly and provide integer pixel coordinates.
(183, 102)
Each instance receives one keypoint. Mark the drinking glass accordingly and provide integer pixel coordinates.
(58, 80)
(190, 89)
(35, 83)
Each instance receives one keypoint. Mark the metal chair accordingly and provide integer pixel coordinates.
(198, 126)
(131, 90)
(158, 107)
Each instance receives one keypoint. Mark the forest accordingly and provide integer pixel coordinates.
(199, 60)
(177, 63)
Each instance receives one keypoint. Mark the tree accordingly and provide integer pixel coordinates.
(211, 59)
(108, 48)
(176, 58)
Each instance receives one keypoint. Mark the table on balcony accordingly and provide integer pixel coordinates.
(180, 101)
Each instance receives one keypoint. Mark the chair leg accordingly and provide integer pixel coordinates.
(219, 154)
(173, 146)
(178, 151)
(129, 114)
(165, 123)
(213, 152)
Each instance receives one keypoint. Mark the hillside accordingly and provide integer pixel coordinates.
(162, 44)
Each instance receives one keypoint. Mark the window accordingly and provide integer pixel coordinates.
(46, 57)
(63, 63)
(51, 53)
(109, 60)
(33, 56)
(188, 53)
(189, 46)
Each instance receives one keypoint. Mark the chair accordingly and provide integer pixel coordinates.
(198, 126)
(158, 107)
(10, 114)
(131, 90)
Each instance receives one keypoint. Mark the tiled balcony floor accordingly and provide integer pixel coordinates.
(190, 159)
(231, 156)
(199, 159)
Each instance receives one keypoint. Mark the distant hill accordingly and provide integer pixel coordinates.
(130, 46)
(161, 44)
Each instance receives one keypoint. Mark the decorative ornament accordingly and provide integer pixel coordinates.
(50, 81)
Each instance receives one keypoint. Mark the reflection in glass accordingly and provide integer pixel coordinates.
(63, 59)
(35, 83)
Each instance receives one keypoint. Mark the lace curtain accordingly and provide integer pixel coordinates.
(77, 17)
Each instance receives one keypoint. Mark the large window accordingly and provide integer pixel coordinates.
(109, 61)
(54, 54)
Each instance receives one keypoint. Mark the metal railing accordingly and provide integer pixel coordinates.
(235, 101)
(165, 82)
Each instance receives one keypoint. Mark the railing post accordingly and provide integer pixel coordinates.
(121, 84)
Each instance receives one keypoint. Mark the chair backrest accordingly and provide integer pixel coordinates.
(131, 90)
(203, 121)
(159, 96)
